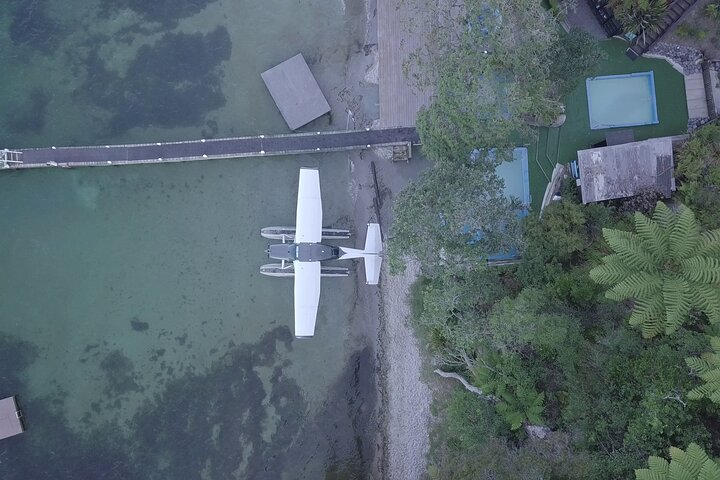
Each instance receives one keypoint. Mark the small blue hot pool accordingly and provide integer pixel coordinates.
(621, 100)
(515, 174)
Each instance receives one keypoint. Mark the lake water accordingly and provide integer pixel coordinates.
(134, 326)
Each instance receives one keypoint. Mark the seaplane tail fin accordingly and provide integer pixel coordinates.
(373, 260)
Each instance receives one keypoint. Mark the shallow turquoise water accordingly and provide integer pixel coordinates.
(134, 325)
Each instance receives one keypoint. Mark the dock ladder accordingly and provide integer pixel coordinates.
(9, 157)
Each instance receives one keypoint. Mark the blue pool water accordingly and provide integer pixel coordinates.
(621, 100)
(517, 184)
(516, 177)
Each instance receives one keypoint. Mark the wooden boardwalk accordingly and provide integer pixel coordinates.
(292, 144)
(400, 100)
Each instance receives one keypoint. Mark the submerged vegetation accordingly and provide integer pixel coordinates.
(598, 351)
(174, 82)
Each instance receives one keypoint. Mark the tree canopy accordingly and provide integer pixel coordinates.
(454, 216)
(496, 66)
(698, 170)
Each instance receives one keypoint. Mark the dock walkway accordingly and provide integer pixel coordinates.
(290, 144)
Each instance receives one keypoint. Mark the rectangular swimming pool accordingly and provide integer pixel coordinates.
(621, 100)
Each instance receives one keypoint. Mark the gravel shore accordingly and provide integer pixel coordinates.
(406, 397)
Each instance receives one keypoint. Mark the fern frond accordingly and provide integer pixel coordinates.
(631, 249)
(701, 269)
(692, 459)
(658, 465)
(709, 244)
(655, 238)
(712, 375)
(710, 471)
(648, 313)
(692, 464)
(613, 270)
(678, 301)
(715, 395)
(684, 236)
(698, 365)
(659, 468)
(707, 297)
(639, 285)
(663, 216)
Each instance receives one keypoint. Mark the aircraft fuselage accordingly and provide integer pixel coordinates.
(303, 252)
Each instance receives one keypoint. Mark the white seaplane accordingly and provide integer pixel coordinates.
(302, 258)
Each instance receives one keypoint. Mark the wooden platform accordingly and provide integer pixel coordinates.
(10, 418)
(400, 100)
(296, 92)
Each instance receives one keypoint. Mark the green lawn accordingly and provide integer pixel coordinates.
(559, 145)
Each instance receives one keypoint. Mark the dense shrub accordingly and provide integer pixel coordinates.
(698, 170)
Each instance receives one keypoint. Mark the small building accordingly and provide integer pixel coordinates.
(625, 170)
(296, 92)
(10, 418)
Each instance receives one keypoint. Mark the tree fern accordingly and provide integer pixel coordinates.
(691, 464)
(667, 267)
(707, 367)
(524, 405)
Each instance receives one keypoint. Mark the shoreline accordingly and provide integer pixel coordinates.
(402, 403)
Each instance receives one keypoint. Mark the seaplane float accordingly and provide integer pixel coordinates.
(301, 252)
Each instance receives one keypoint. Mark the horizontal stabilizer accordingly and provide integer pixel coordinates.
(373, 260)
(371, 254)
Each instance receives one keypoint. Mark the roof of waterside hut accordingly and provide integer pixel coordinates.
(296, 92)
(10, 423)
(626, 170)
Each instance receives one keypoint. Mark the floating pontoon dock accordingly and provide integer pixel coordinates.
(10, 418)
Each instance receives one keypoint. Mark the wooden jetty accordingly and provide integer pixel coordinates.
(207, 149)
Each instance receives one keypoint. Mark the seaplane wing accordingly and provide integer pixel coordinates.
(308, 218)
(307, 297)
